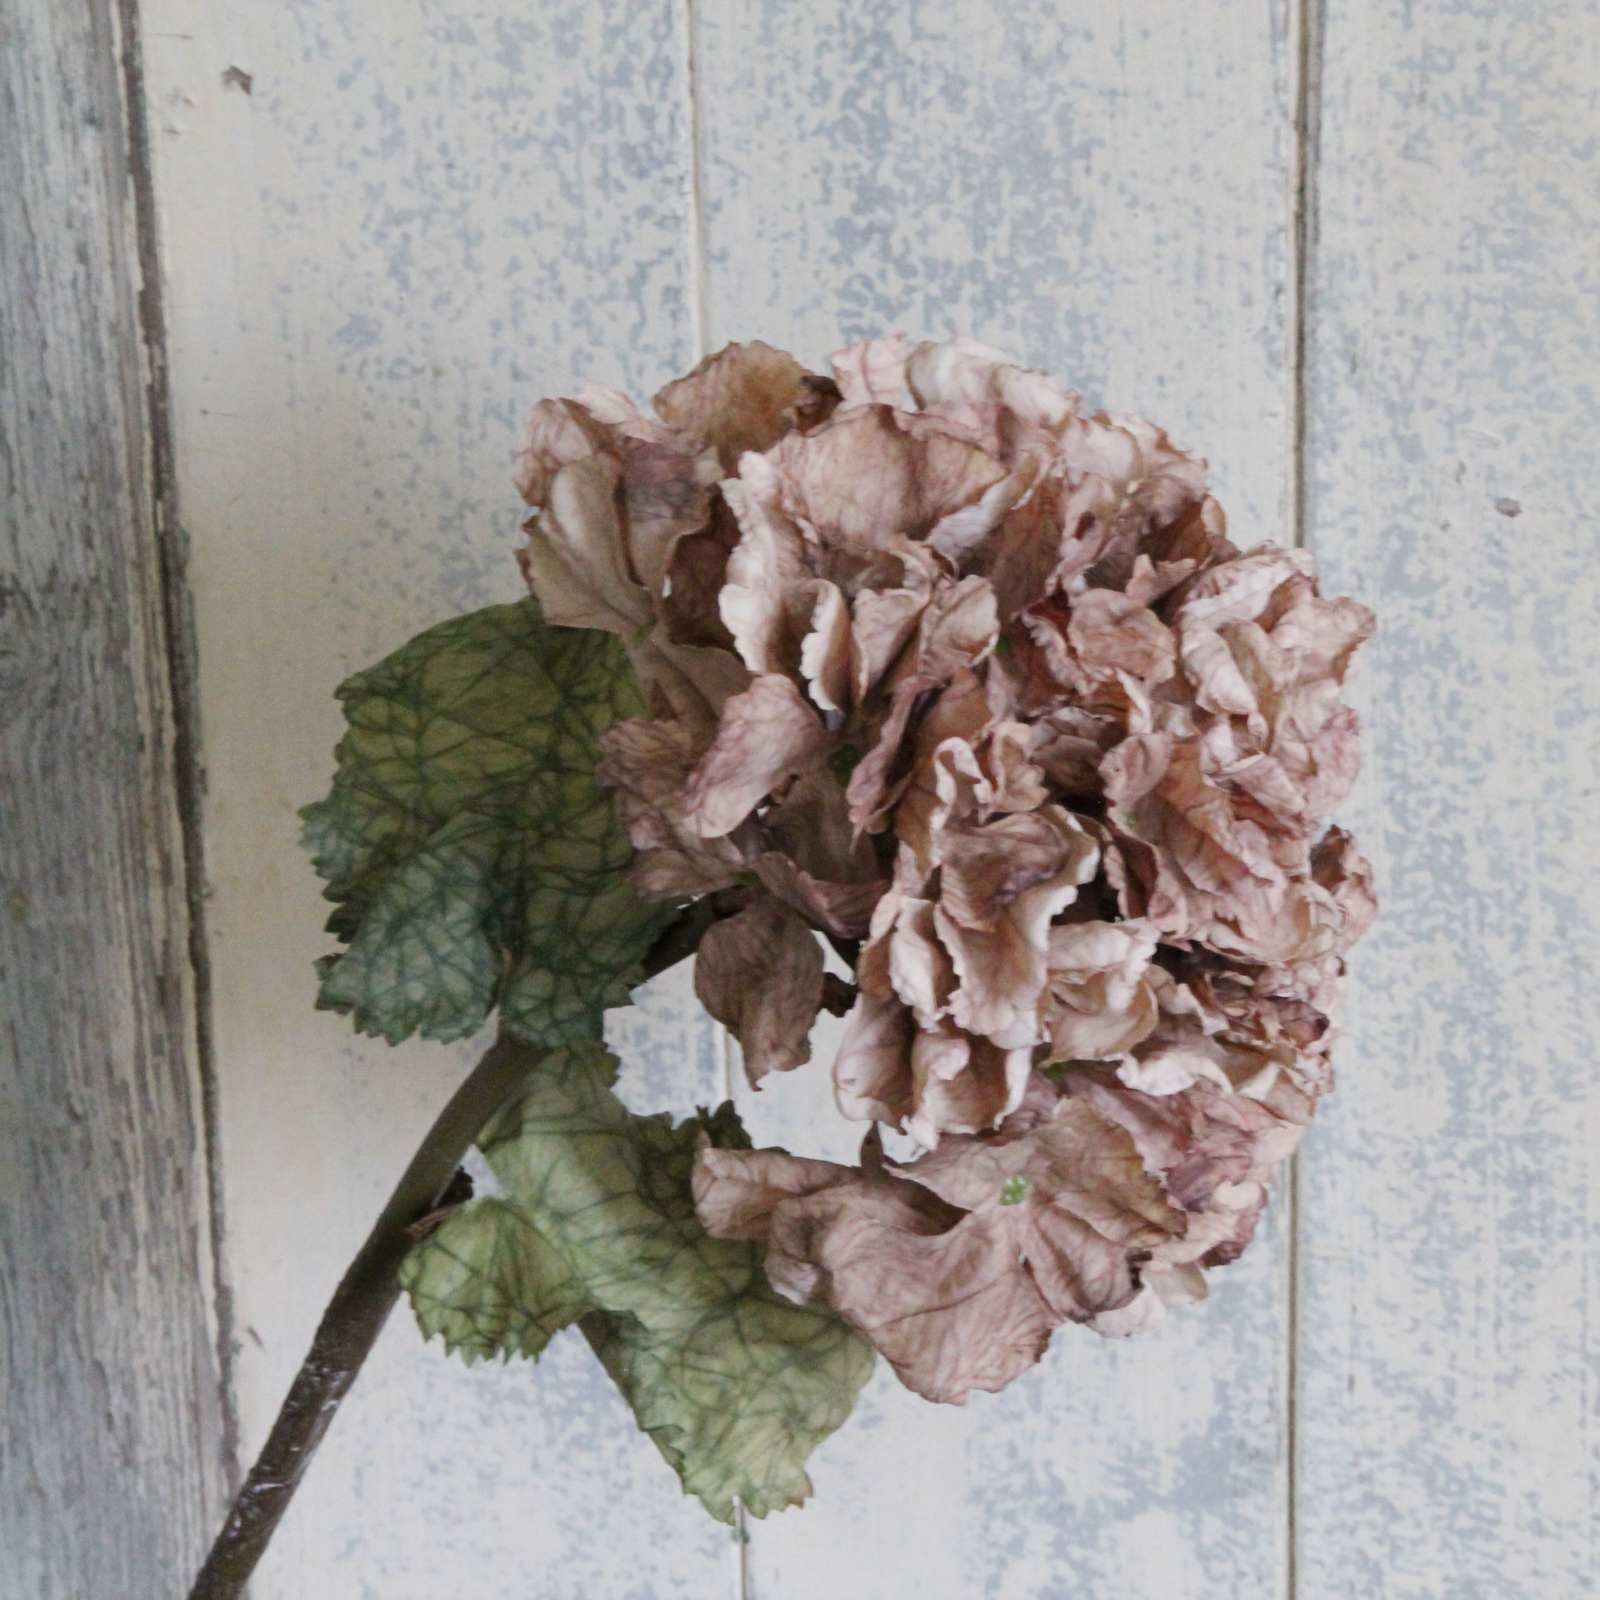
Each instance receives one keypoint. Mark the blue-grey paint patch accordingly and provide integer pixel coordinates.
(1449, 1440)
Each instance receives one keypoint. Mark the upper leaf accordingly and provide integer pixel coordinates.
(735, 1384)
(472, 856)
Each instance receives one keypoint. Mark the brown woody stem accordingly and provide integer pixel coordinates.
(366, 1294)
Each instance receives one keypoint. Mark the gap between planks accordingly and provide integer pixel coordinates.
(1306, 22)
(699, 296)
(175, 601)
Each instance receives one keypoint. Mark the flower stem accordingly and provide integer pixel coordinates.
(350, 1326)
(366, 1294)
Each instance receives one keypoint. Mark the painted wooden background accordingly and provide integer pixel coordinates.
(111, 1458)
(1348, 249)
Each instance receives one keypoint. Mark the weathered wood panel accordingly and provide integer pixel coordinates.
(1449, 1442)
(389, 230)
(1107, 192)
(111, 1450)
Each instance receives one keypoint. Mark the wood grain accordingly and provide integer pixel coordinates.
(1449, 1441)
(389, 229)
(1107, 193)
(111, 1461)
(422, 218)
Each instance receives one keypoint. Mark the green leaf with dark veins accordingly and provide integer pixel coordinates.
(473, 859)
(596, 1225)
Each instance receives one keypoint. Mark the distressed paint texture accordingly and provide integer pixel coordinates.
(1449, 1442)
(1106, 192)
(111, 1454)
(420, 218)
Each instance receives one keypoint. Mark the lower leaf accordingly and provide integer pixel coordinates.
(735, 1385)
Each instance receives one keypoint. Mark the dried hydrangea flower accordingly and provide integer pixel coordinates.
(974, 684)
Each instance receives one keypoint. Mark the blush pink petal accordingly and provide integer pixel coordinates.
(872, 371)
(825, 645)
(1100, 1000)
(1002, 969)
(962, 1084)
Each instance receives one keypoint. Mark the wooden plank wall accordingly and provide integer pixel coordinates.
(416, 218)
(1108, 193)
(1449, 1417)
(111, 1449)
(1346, 248)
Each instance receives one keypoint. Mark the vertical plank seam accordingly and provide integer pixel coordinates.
(699, 280)
(1308, 23)
(179, 649)
(699, 329)
(1307, 120)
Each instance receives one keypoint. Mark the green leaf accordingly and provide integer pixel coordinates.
(596, 1224)
(473, 859)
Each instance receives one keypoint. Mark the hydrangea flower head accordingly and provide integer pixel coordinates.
(974, 685)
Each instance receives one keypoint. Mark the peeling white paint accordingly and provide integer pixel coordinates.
(426, 215)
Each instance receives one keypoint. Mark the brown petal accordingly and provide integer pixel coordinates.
(1322, 635)
(958, 627)
(1015, 411)
(764, 567)
(766, 735)
(1025, 550)
(576, 560)
(1073, 1191)
(1161, 1290)
(844, 909)
(945, 779)
(736, 1191)
(1346, 875)
(945, 1302)
(1133, 768)
(878, 779)
(559, 432)
(1242, 589)
(688, 597)
(986, 866)
(1003, 968)
(871, 475)
(648, 764)
(963, 1084)
(872, 1071)
(1016, 782)
(760, 974)
(693, 681)
(885, 619)
(742, 398)
(666, 497)
(1194, 1141)
(825, 643)
(1112, 632)
(1101, 1004)
(961, 534)
(811, 826)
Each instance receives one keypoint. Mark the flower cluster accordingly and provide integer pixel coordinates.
(973, 684)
